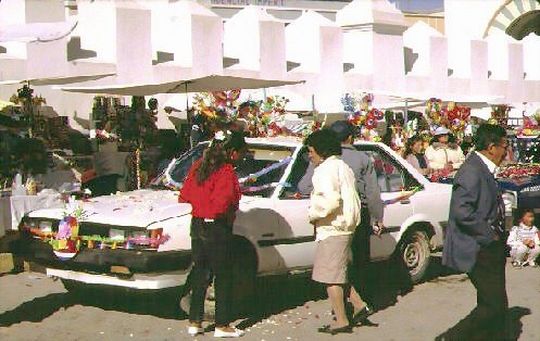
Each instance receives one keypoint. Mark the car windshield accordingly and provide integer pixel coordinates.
(259, 172)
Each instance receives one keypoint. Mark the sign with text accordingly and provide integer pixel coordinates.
(279, 3)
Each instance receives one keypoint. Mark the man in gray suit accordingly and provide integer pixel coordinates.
(475, 239)
(372, 208)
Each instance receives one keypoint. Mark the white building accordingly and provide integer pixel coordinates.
(488, 48)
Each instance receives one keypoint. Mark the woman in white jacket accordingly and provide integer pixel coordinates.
(335, 213)
(443, 155)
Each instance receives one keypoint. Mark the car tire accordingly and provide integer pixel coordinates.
(244, 283)
(415, 254)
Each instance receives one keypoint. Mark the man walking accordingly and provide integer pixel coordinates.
(371, 213)
(475, 238)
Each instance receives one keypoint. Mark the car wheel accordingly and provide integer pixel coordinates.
(415, 254)
(243, 273)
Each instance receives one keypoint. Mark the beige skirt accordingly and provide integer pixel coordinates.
(331, 259)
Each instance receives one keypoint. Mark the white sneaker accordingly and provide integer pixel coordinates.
(218, 332)
(193, 330)
(532, 263)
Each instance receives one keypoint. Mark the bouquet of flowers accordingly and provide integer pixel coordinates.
(531, 126)
(362, 114)
(453, 116)
(66, 243)
(499, 115)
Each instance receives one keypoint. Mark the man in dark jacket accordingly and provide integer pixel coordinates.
(475, 238)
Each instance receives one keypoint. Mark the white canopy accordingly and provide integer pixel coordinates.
(203, 84)
(36, 32)
(56, 80)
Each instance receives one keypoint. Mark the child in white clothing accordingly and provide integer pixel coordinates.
(524, 241)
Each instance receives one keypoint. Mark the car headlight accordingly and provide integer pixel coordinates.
(510, 202)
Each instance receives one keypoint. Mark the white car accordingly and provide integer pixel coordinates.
(272, 232)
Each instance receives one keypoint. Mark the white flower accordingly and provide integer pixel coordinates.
(221, 135)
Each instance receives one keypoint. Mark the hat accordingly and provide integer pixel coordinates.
(343, 129)
(441, 131)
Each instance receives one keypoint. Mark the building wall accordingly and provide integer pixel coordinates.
(369, 41)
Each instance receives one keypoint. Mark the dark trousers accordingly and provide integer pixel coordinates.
(359, 273)
(211, 253)
(489, 278)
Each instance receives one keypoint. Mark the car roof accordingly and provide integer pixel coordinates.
(293, 141)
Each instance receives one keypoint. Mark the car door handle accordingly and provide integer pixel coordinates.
(267, 235)
(405, 202)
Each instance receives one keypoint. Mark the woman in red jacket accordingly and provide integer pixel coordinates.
(212, 189)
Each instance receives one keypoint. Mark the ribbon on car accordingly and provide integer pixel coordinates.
(266, 170)
(406, 195)
(265, 186)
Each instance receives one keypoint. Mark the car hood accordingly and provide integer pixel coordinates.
(136, 208)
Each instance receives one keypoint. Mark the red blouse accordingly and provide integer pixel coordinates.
(217, 197)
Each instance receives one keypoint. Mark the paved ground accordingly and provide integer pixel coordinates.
(34, 307)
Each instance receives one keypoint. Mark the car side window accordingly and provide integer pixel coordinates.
(389, 176)
(297, 174)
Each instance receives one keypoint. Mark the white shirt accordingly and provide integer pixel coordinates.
(490, 165)
(521, 232)
(335, 207)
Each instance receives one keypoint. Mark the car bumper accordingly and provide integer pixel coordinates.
(101, 261)
(149, 281)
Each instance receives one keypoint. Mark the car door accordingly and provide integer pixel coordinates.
(392, 181)
(298, 249)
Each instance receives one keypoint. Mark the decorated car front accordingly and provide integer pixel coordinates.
(133, 231)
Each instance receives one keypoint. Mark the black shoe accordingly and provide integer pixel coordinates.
(362, 315)
(333, 331)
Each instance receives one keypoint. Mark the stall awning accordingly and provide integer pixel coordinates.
(44, 81)
(203, 84)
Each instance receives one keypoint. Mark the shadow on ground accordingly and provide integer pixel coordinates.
(160, 304)
(273, 295)
(466, 329)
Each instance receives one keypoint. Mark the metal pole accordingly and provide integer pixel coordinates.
(406, 115)
(187, 98)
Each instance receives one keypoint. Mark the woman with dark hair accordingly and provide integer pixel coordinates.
(212, 189)
(413, 154)
(334, 212)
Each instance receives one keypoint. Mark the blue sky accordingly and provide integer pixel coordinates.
(419, 5)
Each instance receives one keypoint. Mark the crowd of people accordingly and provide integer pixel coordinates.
(346, 208)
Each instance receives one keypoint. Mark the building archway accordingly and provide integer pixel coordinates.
(517, 18)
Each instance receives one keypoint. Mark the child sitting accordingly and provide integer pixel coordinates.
(524, 241)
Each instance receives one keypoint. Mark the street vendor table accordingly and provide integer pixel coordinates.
(13, 208)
